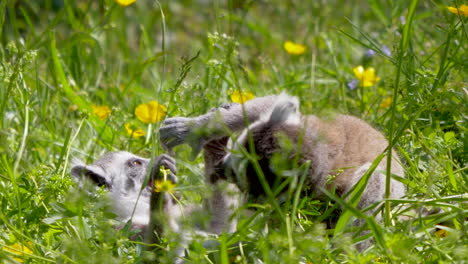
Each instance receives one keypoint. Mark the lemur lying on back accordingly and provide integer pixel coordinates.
(344, 143)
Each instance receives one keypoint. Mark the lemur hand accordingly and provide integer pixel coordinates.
(180, 130)
(166, 162)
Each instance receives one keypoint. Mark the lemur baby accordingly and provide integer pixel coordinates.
(343, 143)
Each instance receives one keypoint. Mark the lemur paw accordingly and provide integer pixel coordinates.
(179, 130)
(166, 162)
(175, 131)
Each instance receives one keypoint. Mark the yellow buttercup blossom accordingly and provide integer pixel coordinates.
(240, 97)
(134, 132)
(366, 77)
(164, 185)
(151, 112)
(386, 102)
(18, 249)
(294, 48)
(125, 2)
(463, 10)
(101, 111)
(442, 233)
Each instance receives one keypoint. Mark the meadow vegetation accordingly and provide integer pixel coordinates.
(80, 78)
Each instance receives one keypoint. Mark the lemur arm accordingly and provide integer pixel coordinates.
(198, 130)
(162, 204)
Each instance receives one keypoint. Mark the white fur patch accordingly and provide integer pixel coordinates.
(285, 110)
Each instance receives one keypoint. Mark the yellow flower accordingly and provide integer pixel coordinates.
(18, 249)
(164, 186)
(442, 233)
(125, 2)
(386, 102)
(240, 97)
(463, 10)
(101, 111)
(151, 112)
(293, 48)
(366, 77)
(133, 132)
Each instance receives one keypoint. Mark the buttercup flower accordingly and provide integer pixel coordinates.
(366, 77)
(164, 185)
(18, 249)
(101, 111)
(293, 48)
(240, 97)
(386, 102)
(125, 2)
(134, 132)
(151, 112)
(463, 10)
(442, 233)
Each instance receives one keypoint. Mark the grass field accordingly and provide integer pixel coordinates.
(72, 74)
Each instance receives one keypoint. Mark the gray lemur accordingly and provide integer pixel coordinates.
(342, 144)
(124, 175)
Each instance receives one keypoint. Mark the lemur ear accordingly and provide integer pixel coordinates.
(286, 109)
(95, 174)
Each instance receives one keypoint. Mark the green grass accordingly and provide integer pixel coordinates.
(57, 59)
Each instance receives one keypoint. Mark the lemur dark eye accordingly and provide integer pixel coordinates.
(137, 163)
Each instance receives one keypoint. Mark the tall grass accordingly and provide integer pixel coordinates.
(59, 58)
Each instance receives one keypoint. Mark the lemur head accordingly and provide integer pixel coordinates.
(122, 173)
(263, 133)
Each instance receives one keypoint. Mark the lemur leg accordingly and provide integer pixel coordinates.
(373, 193)
(225, 198)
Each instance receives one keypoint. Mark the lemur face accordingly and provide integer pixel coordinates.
(128, 178)
(122, 173)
